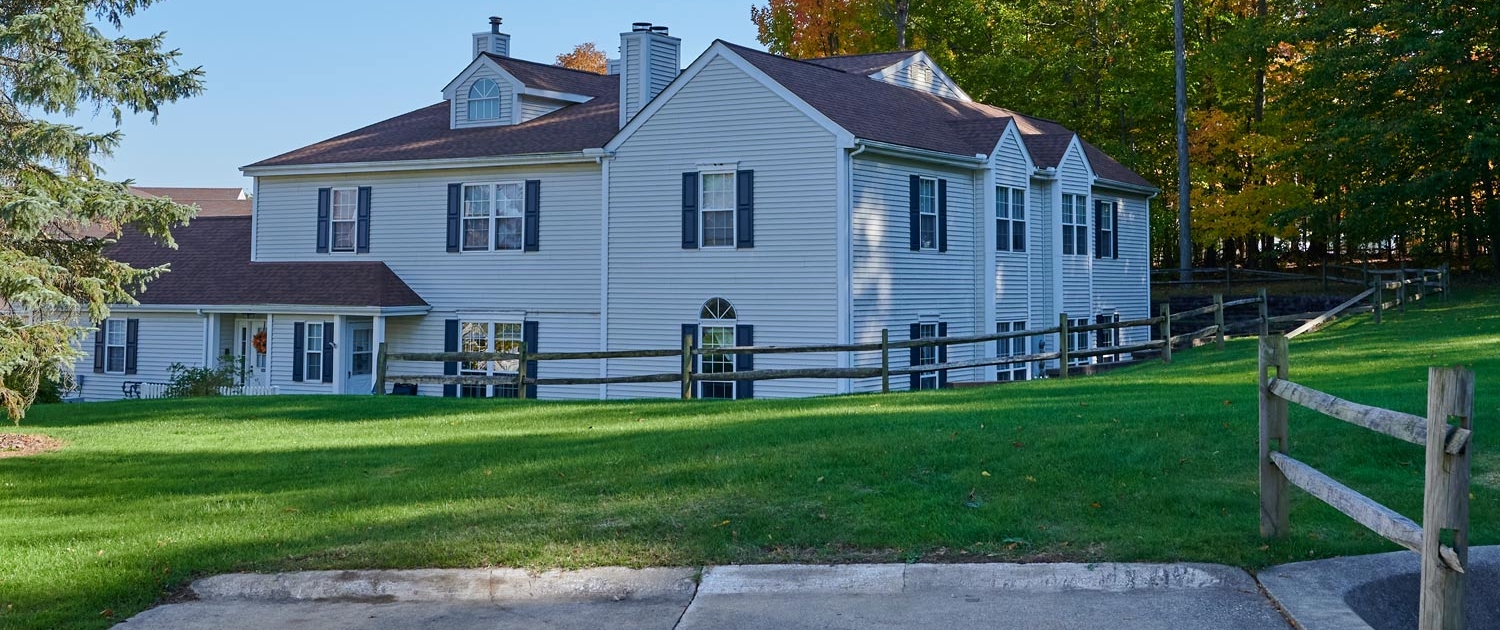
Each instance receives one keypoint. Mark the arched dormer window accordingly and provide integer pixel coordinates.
(484, 100)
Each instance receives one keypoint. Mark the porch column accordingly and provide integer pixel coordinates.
(270, 345)
(210, 338)
(377, 332)
(339, 323)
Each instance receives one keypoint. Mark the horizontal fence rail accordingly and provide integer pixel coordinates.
(1445, 496)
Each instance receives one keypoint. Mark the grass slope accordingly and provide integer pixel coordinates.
(1153, 463)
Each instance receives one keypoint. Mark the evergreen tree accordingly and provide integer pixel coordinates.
(55, 282)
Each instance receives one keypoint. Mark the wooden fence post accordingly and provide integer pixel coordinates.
(521, 374)
(1265, 313)
(1401, 292)
(1379, 299)
(885, 360)
(1274, 508)
(380, 369)
(1422, 285)
(687, 367)
(1443, 282)
(1062, 345)
(1445, 503)
(1166, 333)
(1325, 277)
(1219, 320)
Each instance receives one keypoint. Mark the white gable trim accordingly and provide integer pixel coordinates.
(527, 159)
(450, 91)
(719, 51)
(937, 71)
(1075, 145)
(1013, 132)
(556, 96)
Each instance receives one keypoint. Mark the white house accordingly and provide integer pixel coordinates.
(748, 199)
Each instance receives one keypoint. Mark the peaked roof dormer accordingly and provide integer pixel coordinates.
(495, 90)
(909, 69)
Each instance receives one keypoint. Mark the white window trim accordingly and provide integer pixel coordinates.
(491, 368)
(123, 345)
(1012, 345)
(937, 228)
(923, 357)
(1068, 211)
(734, 196)
(494, 216)
(333, 195)
(733, 326)
(1016, 225)
(1113, 335)
(469, 96)
(1074, 344)
(308, 351)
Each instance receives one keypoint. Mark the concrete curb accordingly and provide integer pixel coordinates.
(972, 578)
(454, 585)
(1317, 594)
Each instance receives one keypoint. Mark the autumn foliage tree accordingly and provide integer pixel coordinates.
(586, 57)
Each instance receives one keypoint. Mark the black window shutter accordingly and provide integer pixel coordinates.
(744, 335)
(1101, 338)
(532, 240)
(915, 194)
(99, 347)
(455, 199)
(1002, 235)
(132, 344)
(942, 200)
(916, 357)
(529, 336)
(328, 349)
(298, 339)
(690, 210)
(450, 344)
(362, 227)
(942, 355)
(324, 201)
(744, 210)
(1114, 221)
(1098, 230)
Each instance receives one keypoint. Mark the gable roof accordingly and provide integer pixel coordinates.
(866, 64)
(211, 267)
(427, 133)
(874, 110)
(211, 202)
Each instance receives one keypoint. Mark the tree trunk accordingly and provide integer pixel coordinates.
(903, 9)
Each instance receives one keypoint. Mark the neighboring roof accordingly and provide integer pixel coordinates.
(211, 202)
(879, 111)
(211, 267)
(867, 64)
(426, 134)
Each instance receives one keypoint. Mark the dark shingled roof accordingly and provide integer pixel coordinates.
(864, 64)
(211, 267)
(426, 134)
(874, 110)
(839, 87)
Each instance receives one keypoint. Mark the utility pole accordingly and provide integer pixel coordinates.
(1184, 218)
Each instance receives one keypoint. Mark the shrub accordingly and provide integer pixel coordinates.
(197, 382)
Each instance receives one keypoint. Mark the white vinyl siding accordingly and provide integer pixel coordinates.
(557, 332)
(1014, 295)
(922, 77)
(655, 286)
(533, 107)
(164, 339)
(894, 286)
(1123, 284)
(633, 55)
(1077, 270)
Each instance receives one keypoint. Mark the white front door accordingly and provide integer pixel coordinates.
(250, 342)
(360, 340)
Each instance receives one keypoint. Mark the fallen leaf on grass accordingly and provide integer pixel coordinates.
(726, 522)
(1031, 478)
(1018, 444)
(985, 473)
(1095, 505)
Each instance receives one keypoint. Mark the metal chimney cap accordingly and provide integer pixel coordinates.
(640, 27)
(659, 30)
(495, 24)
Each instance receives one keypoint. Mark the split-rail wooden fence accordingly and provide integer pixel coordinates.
(1445, 504)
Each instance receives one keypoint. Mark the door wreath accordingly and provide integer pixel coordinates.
(259, 342)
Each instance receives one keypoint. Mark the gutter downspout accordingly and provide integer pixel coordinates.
(602, 158)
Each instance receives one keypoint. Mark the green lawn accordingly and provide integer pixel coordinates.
(1149, 463)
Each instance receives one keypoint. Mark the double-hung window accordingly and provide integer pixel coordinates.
(1104, 213)
(716, 205)
(1078, 341)
(1107, 337)
(927, 214)
(1075, 225)
(502, 337)
(927, 355)
(114, 346)
(345, 218)
(1010, 219)
(312, 354)
(494, 216)
(1013, 347)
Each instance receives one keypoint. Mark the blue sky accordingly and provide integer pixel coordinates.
(283, 74)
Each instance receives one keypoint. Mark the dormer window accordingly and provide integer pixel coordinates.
(484, 100)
